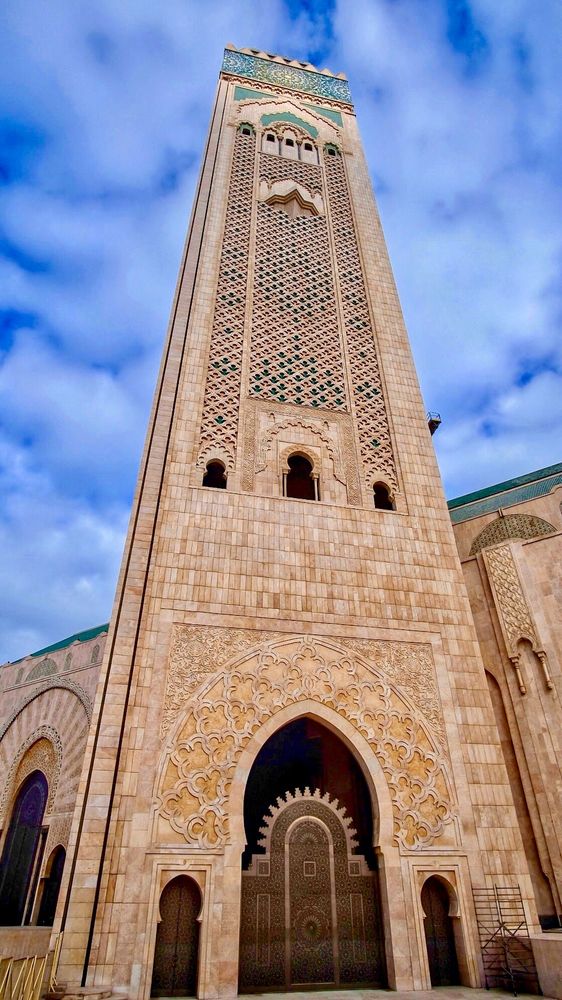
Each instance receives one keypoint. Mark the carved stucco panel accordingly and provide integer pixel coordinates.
(41, 751)
(195, 784)
(195, 653)
(512, 607)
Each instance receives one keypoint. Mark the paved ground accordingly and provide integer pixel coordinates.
(441, 993)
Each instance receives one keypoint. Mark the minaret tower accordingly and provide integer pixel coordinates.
(293, 775)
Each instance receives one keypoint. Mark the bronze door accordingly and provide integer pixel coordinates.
(439, 935)
(311, 925)
(177, 940)
(310, 908)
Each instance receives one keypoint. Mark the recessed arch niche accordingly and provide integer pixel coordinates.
(311, 912)
(176, 956)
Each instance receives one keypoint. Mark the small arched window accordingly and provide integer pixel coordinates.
(289, 142)
(215, 476)
(382, 498)
(331, 151)
(308, 146)
(246, 130)
(300, 483)
(270, 137)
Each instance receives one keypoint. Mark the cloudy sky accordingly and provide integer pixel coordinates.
(104, 106)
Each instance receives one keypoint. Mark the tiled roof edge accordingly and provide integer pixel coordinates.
(509, 484)
(89, 633)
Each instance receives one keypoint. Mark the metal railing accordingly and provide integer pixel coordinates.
(23, 978)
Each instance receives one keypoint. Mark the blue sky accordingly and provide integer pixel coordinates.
(103, 112)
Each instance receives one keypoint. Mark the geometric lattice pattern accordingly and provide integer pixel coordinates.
(296, 352)
(278, 168)
(372, 422)
(222, 392)
(510, 599)
(511, 526)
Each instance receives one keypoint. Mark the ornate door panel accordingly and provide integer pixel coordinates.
(309, 904)
(177, 940)
(311, 924)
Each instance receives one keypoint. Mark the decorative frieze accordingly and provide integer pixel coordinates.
(221, 717)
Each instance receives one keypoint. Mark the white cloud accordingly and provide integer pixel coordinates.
(116, 99)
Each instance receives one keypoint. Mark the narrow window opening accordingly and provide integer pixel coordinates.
(308, 146)
(331, 152)
(270, 138)
(215, 476)
(382, 497)
(246, 131)
(289, 142)
(299, 481)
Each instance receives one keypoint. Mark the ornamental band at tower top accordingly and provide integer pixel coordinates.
(293, 776)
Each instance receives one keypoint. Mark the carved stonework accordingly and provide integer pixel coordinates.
(513, 611)
(59, 833)
(510, 526)
(219, 426)
(410, 666)
(266, 422)
(195, 652)
(41, 751)
(200, 765)
(287, 77)
(295, 424)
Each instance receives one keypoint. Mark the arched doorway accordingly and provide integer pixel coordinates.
(310, 890)
(176, 955)
(20, 848)
(51, 888)
(439, 934)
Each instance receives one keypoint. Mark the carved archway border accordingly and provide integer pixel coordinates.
(266, 445)
(9, 790)
(253, 109)
(197, 773)
(276, 809)
(58, 683)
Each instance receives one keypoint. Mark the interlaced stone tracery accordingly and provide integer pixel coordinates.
(222, 392)
(296, 351)
(372, 421)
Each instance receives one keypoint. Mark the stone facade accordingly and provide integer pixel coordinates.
(46, 705)
(510, 544)
(245, 611)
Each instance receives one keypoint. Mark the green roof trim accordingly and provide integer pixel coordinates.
(284, 74)
(288, 116)
(89, 633)
(245, 94)
(506, 494)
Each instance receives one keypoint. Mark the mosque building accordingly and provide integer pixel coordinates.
(319, 743)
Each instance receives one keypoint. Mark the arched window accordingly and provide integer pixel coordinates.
(20, 848)
(215, 476)
(51, 888)
(300, 483)
(270, 137)
(246, 129)
(382, 498)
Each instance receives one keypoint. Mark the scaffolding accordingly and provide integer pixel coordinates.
(507, 952)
